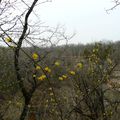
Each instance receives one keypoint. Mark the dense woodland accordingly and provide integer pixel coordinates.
(73, 92)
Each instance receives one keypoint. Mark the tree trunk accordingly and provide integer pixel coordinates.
(24, 112)
(25, 109)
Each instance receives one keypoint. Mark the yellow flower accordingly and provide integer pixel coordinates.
(64, 76)
(72, 72)
(57, 63)
(95, 50)
(80, 65)
(47, 69)
(53, 110)
(8, 39)
(47, 101)
(19, 104)
(9, 102)
(34, 75)
(109, 60)
(50, 88)
(35, 56)
(51, 94)
(60, 78)
(37, 67)
(46, 105)
(42, 77)
(29, 106)
(52, 100)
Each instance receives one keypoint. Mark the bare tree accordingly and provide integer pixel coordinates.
(27, 94)
(16, 31)
(116, 4)
(92, 83)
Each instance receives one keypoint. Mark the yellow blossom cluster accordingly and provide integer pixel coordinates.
(47, 69)
(51, 94)
(50, 88)
(62, 77)
(109, 60)
(80, 65)
(38, 67)
(34, 75)
(18, 104)
(57, 63)
(9, 102)
(72, 72)
(95, 50)
(35, 56)
(8, 39)
(42, 77)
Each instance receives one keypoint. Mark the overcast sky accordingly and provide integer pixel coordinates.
(87, 18)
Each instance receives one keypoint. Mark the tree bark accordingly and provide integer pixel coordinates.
(24, 112)
(25, 109)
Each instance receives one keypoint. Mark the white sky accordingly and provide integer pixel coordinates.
(87, 18)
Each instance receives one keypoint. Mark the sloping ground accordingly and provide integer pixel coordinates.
(114, 92)
(116, 78)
